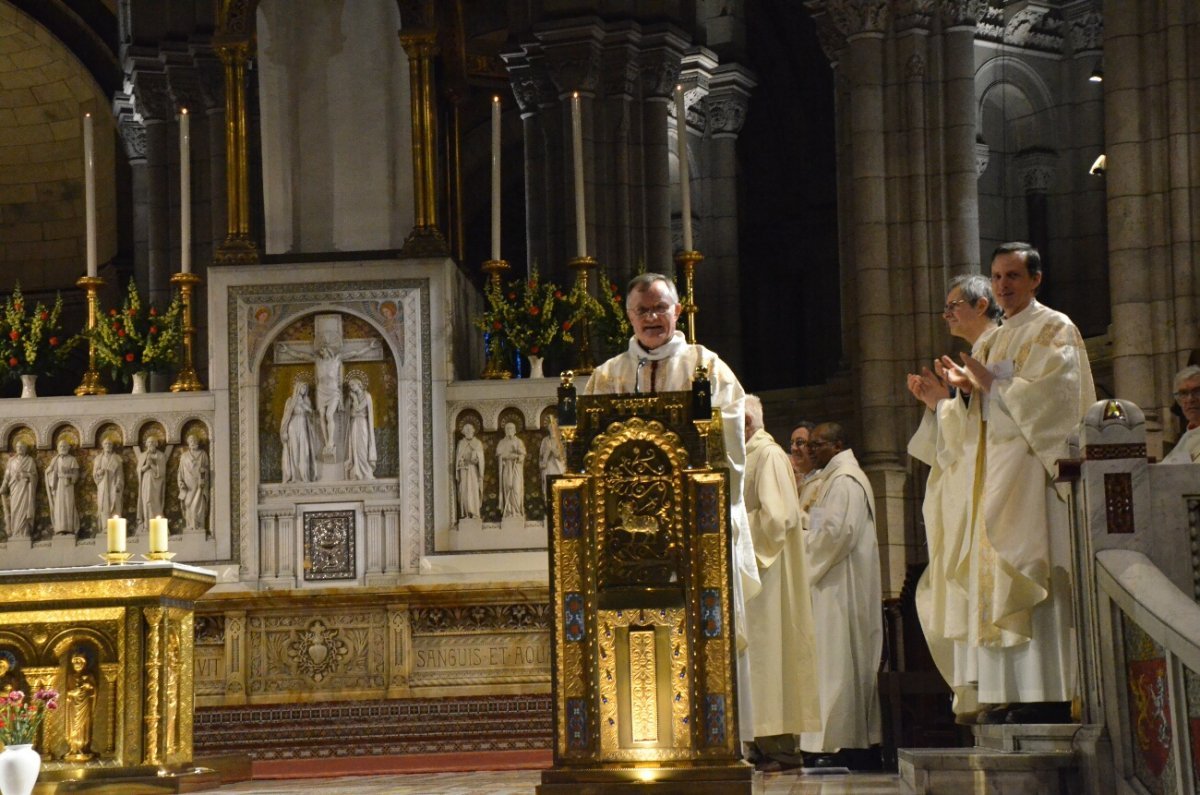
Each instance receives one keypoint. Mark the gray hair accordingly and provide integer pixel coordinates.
(975, 286)
(754, 411)
(643, 281)
(1186, 374)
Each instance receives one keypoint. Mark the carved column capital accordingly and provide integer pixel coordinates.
(186, 89)
(660, 61)
(962, 12)
(1036, 170)
(1086, 33)
(152, 96)
(853, 17)
(830, 38)
(728, 100)
(573, 55)
(914, 14)
(620, 61)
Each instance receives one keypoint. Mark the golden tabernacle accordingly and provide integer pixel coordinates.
(643, 648)
(116, 643)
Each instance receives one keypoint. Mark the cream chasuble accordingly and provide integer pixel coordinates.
(779, 624)
(669, 368)
(1186, 450)
(847, 603)
(1018, 572)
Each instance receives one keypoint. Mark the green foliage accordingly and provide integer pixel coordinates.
(33, 342)
(136, 338)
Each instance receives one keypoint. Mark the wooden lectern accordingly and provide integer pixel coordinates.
(643, 650)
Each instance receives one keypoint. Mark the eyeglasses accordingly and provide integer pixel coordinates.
(817, 444)
(1184, 394)
(658, 310)
(949, 307)
(799, 443)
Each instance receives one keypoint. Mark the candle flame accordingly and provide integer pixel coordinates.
(87, 115)
(183, 111)
(496, 99)
(574, 95)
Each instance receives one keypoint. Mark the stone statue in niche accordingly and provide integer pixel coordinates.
(193, 484)
(468, 469)
(360, 438)
(152, 481)
(328, 353)
(298, 436)
(551, 458)
(80, 704)
(62, 473)
(510, 451)
(108, 473)
(17, 490)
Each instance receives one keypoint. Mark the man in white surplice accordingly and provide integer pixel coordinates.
(847, 601)
(780, 627)
(1032, 383)
(1187, 396)
(659, 359)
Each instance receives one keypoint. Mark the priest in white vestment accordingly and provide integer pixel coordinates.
(1187, 396)
(949, 449)
(780, 625)
(847, 600)
(1031, 382)
(659, 359)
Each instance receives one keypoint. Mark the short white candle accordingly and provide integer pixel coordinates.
(158, 534)
(116, 534)
(577, 152)
(185, 192)
(495, 178)
(685, 180)
(89, 193)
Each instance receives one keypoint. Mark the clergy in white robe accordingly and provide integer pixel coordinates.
(847, 600)
(1187, 395)
(659, 359)
(1031, 383)
(780, 625)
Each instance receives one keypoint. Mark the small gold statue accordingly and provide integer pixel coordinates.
(80, 707)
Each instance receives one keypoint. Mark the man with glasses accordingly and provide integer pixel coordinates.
(659, 359)
(1030, 384)
(1187, 396)
(842, 555)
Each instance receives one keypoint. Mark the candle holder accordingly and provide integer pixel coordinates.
(495, 369)
(164, 555)
(90, 385)
(187, 380)
(116, 558)
(687, 260)
(583, 267)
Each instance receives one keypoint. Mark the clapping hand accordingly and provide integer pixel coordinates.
(970, 375)
(928, 388)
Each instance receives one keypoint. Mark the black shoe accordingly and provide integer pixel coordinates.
(993, 715)
(1039, 712)
(820, 760)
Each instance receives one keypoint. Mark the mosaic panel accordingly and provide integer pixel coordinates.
(1149, 710)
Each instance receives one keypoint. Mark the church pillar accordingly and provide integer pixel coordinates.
(661, 56)
(962, 180)
(420, 43)
(618, 232)
(153, 101)
(239, 247)
(718, 284)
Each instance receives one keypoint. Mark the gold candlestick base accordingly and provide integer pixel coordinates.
(583, 267)
(159, 556)
(495, 369)
(90, 385)
(116, 558)
(188, 380)
(688, 260)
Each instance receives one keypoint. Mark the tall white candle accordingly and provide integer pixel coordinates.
(185, 192)
(685, 180)
(89, 193)
(495, 178)
(116, 534)
(158, 534)
(577, 157)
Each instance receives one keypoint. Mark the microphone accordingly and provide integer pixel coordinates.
(637, 379)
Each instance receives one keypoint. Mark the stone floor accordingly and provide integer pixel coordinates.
(523, 782)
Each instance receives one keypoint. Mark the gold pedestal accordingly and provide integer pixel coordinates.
(90, 385)
(495, 369)
(117, 643)
(187, 380)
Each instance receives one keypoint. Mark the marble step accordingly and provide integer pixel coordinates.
(1032, 737)
(954, 771)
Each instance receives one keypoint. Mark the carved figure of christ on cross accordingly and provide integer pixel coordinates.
(328, 352)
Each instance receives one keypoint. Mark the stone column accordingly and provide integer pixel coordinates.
(153, 100)
(718, 285)
(239, 247)
(660, 63)
(959, 18)
(420, 43)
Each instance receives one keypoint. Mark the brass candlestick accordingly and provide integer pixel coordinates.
(187, 380)
(90, 385)
(116, 558)
(164, 555)
(495, 368)
(583, 267)
(688, 260)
